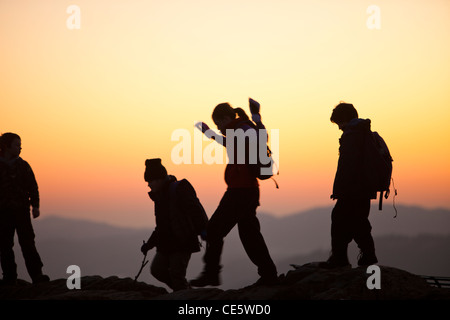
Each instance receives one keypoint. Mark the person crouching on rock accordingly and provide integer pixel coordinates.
(180, 218)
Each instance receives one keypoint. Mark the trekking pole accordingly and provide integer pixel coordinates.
(143, 264)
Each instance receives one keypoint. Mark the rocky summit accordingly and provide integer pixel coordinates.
(305, 282)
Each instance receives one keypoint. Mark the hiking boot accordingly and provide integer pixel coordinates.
(365, 260)
(41, 279)
(206, 279)
(333, 263)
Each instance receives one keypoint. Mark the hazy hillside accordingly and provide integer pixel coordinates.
(416, 241)
(310, 230)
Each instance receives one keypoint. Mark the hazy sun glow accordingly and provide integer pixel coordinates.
(91, 104)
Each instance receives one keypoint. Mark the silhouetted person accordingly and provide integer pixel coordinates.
(18, 191)
(350, 215)
(179, 218)
(238, 206)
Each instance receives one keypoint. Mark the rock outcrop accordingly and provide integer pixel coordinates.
(307, 282)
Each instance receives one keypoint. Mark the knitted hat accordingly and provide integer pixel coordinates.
(154, 170)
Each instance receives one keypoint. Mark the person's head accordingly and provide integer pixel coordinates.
(224, 113)
(155, 174)
(343, 113)
(10, 145)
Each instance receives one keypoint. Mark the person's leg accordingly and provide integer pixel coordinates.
(178, 263)
(160, 268)
(251, 237)
(219, 225)
(26, 236)
(362, 232)
(341, 234)
(7, 258)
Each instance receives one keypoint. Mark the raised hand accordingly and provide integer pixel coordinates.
(203, 127)
(254, 106)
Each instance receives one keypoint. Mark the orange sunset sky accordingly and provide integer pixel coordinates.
(92, 103)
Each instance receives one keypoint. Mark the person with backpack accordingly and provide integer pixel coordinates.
(180, 218)
(237, 206)
(18, 192)
(350, 215)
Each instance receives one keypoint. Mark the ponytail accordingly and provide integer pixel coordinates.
(241, 113)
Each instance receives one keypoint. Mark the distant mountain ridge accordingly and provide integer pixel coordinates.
(410, 221)
(416, 241)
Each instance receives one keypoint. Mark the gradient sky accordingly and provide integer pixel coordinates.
(91, 104)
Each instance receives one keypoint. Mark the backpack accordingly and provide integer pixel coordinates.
(185, 226)
(377, 164)
(260, 170)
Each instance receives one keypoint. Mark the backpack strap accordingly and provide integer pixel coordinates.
(380, 204)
